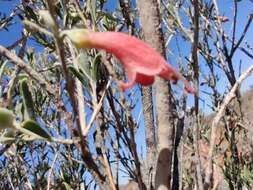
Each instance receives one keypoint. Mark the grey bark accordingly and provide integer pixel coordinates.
(195, 64)
(150, 136)
(150, 22)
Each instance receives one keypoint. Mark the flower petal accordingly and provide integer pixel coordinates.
(140, 61)
(169, 73)
(145, 80)
(131, 75)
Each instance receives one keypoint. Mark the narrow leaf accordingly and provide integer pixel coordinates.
(93, 7)
(27, 99)
(6, 118)
(2, 68)
(80, 77)
(95, 67)
(83, 63)
(67, 186)
(35, 128)
(12, 83)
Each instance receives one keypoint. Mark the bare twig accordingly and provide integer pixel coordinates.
(79, 92)
(96, 110)
(4, 23)
(16, 43)
(126, 12)
(227, 100)
(234, 25)
(37, 28)
(195, 64)
(108, 171)
(66, 141)
(218, 14)
(237, 44)
(51, 170)
(10, 180)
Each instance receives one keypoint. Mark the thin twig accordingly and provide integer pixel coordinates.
(234, 26)
(51, 170)
(16, 43)
(108, 171)
(195, 64)
(10, 181)
(37, 28)
(237, 44)
(66, 141)
(79, 91)
(217, 118)
(96, 110)
(218, 14)
(4, 23)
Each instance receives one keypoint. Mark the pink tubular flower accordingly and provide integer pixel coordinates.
(140, 61)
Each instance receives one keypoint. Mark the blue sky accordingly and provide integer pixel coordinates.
(8, 37)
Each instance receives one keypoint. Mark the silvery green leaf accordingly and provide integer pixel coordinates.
(35, 128)
(6, 118)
